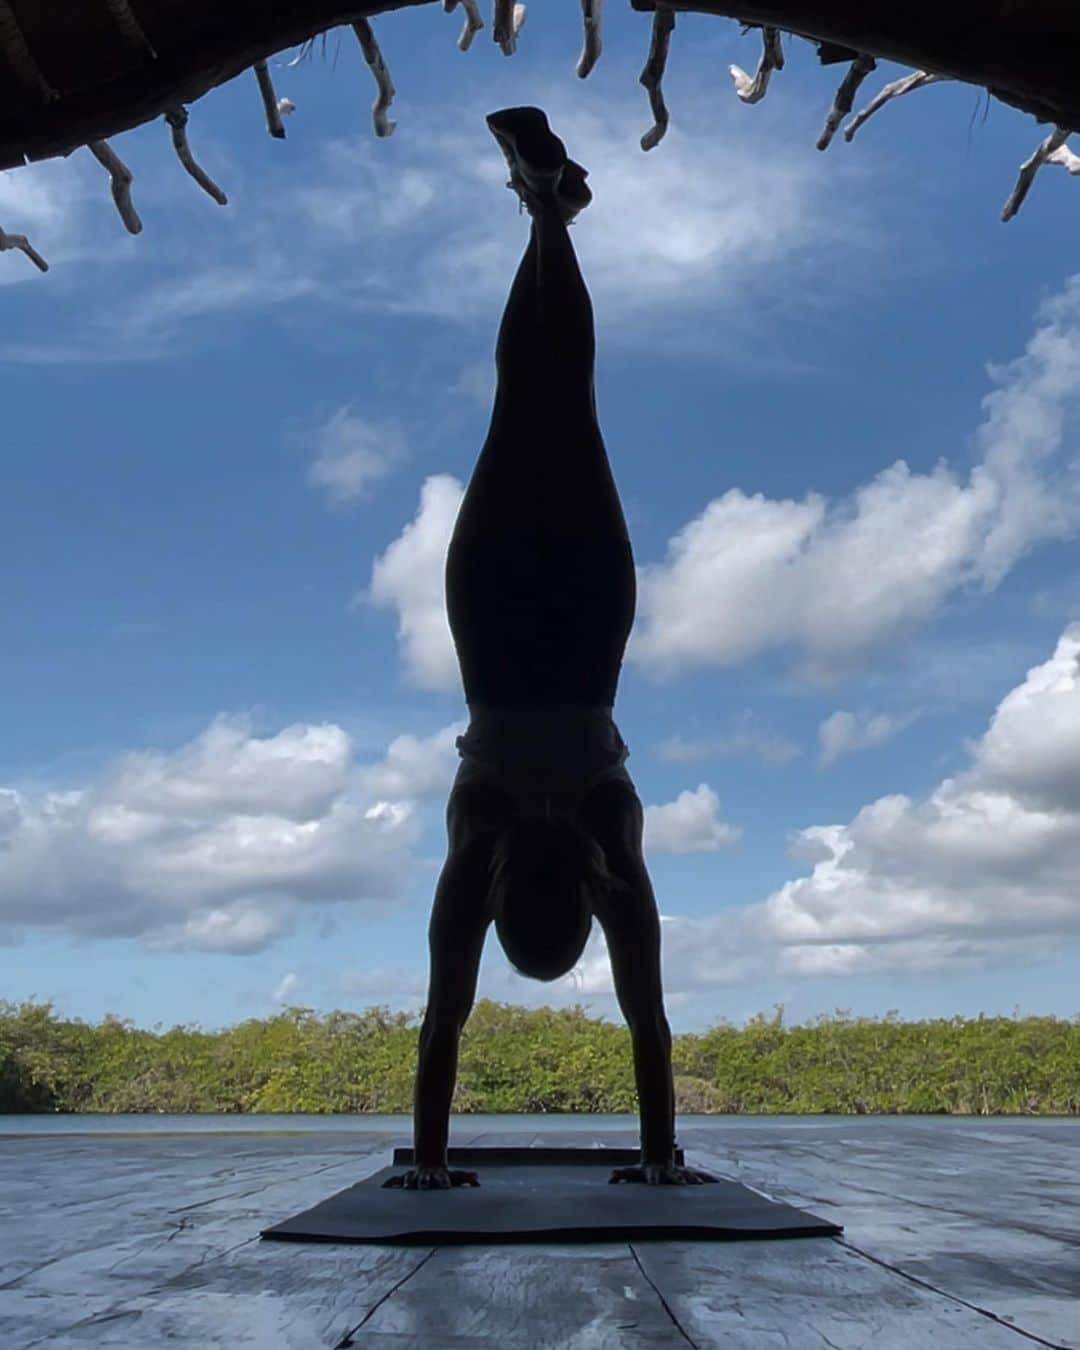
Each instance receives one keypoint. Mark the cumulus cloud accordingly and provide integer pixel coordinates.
(223, 843)
(226, 772)
(690, 824)
(409, 577)
(751, 575)
(1031, 750)
(989, 858)
(414, 767)
(216, 846)
(697, 955)
(353, 453)
(846, 733)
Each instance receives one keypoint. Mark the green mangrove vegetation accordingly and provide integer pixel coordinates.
(518, 1060)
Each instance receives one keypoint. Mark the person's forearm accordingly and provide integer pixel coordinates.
(436, 1073)
(656, 1090)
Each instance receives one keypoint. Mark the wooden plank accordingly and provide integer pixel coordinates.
(151, 1182)
(526, 1297)
(803, 1292)
(986, 1212)
(275, 1296)
(197, 1271)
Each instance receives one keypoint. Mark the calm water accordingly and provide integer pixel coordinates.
(464, 1128)
(285, 1124)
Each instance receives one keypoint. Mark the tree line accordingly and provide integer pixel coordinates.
(520, 1060)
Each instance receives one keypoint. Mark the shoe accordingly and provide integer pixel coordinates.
(539, 167)
(573, 192)
(535, 155)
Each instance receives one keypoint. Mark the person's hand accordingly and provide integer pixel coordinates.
(432, 1179)
(661, 1174)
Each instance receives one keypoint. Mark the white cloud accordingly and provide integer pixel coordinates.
(220, 845)
(244, 926)
(409, 577)
(769, 747)
(1031, 750)
(352, 453)
(414, 767)
(296, 774)
(166, 305)
(476, 381)
(751, 574)
(689, 825)
(1025, 425)
(748, 202)
(286, 988)
(989, 858)
(382, 982)
(846, 733)
(216, 846)
(52, 203)
(697, 955)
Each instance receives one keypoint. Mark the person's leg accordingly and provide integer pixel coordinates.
(544, 463)
(565, 308)
(547, 334)
(540, 579)
(519, 363)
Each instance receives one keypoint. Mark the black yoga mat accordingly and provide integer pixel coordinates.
(544, 1195)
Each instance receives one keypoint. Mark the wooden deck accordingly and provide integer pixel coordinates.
(957, 1233)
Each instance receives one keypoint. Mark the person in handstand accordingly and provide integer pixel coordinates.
(544, 823)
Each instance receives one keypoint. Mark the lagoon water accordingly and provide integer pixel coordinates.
(460, 1126)
(463, 1128)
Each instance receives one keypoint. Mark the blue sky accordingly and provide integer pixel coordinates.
(839, 398)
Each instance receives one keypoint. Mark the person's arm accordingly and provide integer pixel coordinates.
(459, 924)
(632, 929)
(631, 923)
(436, 1074)
(651, 1042)
(633, 935)
(456, 935)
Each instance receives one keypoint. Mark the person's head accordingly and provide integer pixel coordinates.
(545, 876)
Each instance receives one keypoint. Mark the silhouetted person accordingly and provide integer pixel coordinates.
(544, 824)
